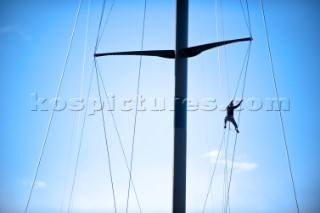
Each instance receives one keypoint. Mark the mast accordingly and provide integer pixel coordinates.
(180, 106)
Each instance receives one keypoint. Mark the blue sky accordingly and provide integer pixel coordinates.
(34, 37)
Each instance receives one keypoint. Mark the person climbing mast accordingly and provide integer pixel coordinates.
(229, 117)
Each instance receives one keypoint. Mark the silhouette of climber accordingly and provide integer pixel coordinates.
(229, 117)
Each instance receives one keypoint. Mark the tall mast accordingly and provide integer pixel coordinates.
(180, 106)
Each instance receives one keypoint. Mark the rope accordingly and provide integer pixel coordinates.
(68, 163)
(136, 111)
(217, 34)
(249, 19)
(225, 49)
(80, 143)
(81, 96)
(280, 113)
(105, 137)
(53, 111)
(248, 22)
(83, 124)
(84, 55)
(107, 20)
(231, 171)
(119, 138)
(226, 171)
(243, 67)
(228, 87)
(245, 74)
(103, 120)
(99, 28)
(235, 142)
(246, 59)
(98, 71)
(219, 71)
(243, 89)
(214, 169)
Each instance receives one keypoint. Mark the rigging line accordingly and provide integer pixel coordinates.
(107, 20)
(52, 113)
(213, 172)
(80, 140)
(119, 138)
(224, 179)
(245, 74)
(68, 162)
(219, 59)
(228, 87)
(100, 22)
(217, 34)
(85, 53)
(231, 171)
(249, 19)
(225, 49)
(245, 17)
(243, 66)
(226, 169)
(204, 87)
(232, 165)
(220, 77)
(280, 113)
(81, 96)
(136, 111)
(234, 147)
(118, 134)
(219, 66)
(202, 74)
(105, 137)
